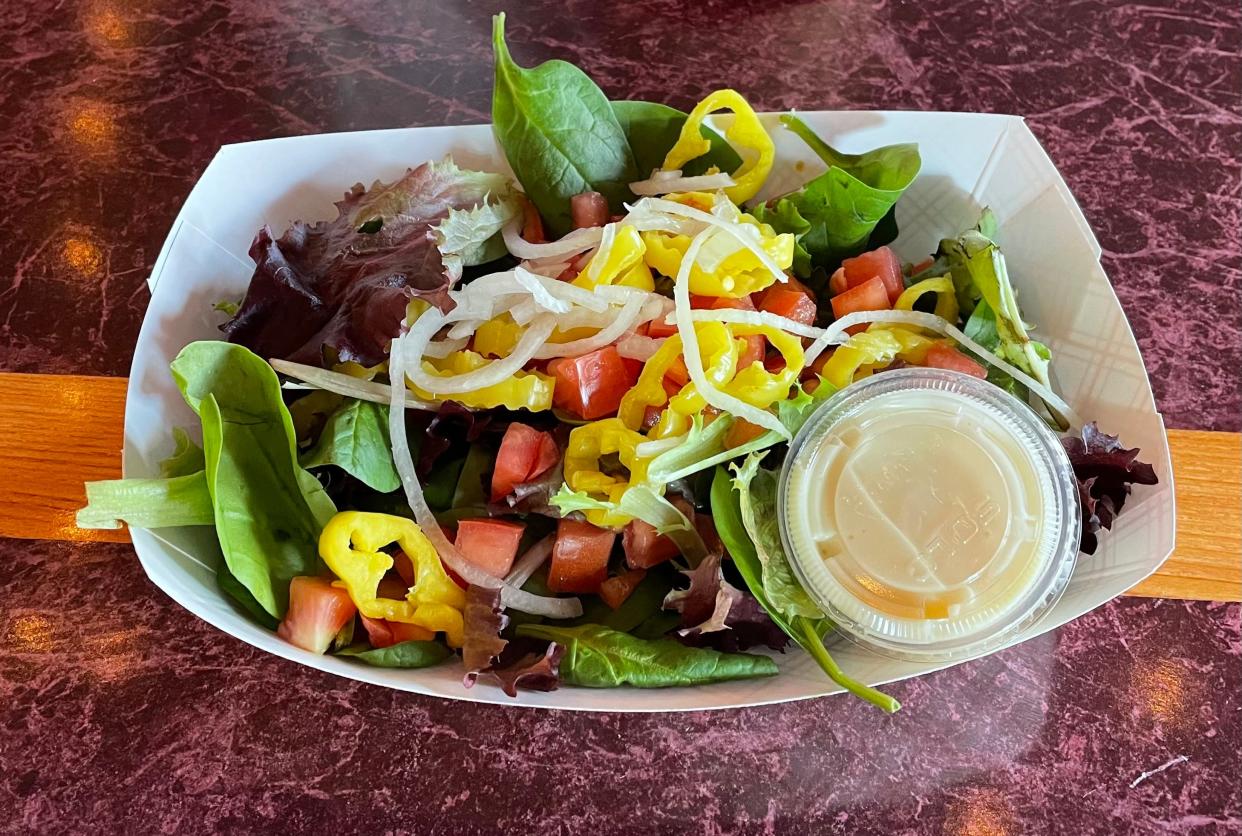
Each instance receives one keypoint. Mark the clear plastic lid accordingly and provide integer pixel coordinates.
(932, 515)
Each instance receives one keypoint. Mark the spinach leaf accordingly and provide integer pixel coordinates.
(147, 503)
(559, 134)
(597, 657)
(807, 631)
(836, 214)
(652, 129)
(413, 654)
(355, 439)
(268, 511)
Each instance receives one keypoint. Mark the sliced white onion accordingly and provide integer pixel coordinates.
(596, 266)
(539, 293)
(581, 296)
(443, 348)
(647, 449)
(626, 319)
(460, 331)
(694, 360)
(497, 371)
(572, 244)
(637, 347)
(404, 462)
(347, 385)
(835, 334)
(732, 227)
(677, 183)
(756, 318)
(528, 563)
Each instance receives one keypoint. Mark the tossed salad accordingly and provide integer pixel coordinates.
(530, 428)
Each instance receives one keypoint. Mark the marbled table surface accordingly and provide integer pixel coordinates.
(122, 713)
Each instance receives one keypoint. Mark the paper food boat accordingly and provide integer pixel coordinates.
(969, 161)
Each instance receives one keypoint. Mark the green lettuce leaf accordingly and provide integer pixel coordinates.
(835, 214)
(148, 503)
(268, 510)
(641, 502)
(597, 657)
(704, 444)
(980, 277)
(187, 457)
(472, 236)
(355, 439)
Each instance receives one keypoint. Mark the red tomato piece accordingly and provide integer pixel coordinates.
(754, 351)
(616, 589)
(677, 373)
(644, 548)
(532, 224)
(525, 452)
(588, 209)
(591, 386)
(792, 300)
(404, 567)
(657, 328)
(489, 544)
(868, 296)
(317, 612)
(383, 633)
(634, 367)
(741, 432)
(947, 357)
(881, 262)
(579, 557)
(838, 283)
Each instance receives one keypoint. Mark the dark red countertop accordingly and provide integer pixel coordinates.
(121, 712)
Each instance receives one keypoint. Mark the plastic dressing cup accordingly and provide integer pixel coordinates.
(932, 515)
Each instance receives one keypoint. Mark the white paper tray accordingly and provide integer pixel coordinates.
(969, 161)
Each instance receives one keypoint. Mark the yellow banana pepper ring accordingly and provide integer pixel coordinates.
(756, 385)
(622, 263)
(587, 444)
(350, 546)
(865, 349)
(524, 390)
(746, 134)
(946, 298)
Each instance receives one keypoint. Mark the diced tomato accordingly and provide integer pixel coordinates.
(532, 224)
(525, 453)
(634, 367)
(678, 373)
(644, 548)
(721, 303)
(616, 589)
(317, 612)
(489, 544)
(404, 567)
(946, 357)
(591, 386)
(588, 209)
(868, 296)
(741, 432)
(383, 633)
(792, 300)
(579, 557)
(838, 283)
(657, 328)
(881, 262)
(753, 352)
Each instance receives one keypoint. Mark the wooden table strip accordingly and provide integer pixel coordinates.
(58, 431)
